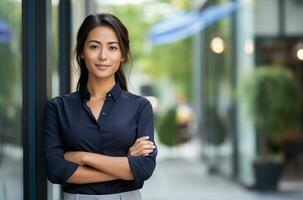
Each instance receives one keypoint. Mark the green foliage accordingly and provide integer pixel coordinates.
(272, 100)
(10, 70)
(216, 131)
(10, 74)
(133, 19)
(167, 128)
(172, 61)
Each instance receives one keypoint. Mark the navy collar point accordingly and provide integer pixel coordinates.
(114, 92)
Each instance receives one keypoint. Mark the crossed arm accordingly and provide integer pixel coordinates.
(100, 168)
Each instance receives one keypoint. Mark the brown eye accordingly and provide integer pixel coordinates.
(94, 47)
(113, 48)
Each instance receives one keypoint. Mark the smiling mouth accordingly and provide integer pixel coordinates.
(102, 66)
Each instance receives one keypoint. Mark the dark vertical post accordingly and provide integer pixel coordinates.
(197, 74)
(233, 111)
(281, 13)
(34, 95)
(64, 45)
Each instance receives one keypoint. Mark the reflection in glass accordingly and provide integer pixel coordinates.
(53, 191)
(11, 151)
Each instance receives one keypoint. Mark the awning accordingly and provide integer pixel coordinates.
(183, 25)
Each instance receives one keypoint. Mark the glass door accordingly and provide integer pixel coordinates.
(11, 149)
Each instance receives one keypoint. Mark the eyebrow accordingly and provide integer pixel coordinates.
(96, 41)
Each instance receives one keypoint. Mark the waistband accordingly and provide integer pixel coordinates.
(131, 195)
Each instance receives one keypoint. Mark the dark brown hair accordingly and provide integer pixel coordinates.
(90, 22)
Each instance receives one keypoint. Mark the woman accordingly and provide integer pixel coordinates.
(98, 141)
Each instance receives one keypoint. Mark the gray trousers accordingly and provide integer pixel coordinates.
(131, 195)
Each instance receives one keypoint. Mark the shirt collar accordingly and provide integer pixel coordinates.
(114, 93)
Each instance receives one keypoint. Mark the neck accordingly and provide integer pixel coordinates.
(99, 87)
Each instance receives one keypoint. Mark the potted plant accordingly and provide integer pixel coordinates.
(216, 134)
(272, 101)
(167, 128)
(172, 127)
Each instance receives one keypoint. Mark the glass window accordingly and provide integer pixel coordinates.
(11, 150)
(219, 90)
(53, 190)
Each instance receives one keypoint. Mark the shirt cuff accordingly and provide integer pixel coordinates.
(69, 171)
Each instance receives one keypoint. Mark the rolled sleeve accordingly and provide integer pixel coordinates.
(58, 169)
(142, 167)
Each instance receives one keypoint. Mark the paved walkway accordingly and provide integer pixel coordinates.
(186, 178)
(179, 179)
(11, 181)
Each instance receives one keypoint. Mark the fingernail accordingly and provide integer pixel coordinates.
(146, 137)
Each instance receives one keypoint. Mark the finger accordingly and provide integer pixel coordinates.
(134, 151)
(148, 146)
(145, 151)
(140, 148)
(143, 138)
(145, 142)
(141, 143)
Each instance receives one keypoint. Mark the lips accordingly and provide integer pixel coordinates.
(102, 66)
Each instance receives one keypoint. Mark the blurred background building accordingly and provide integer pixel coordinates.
(189, 59)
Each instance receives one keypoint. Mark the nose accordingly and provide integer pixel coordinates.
(102, 54)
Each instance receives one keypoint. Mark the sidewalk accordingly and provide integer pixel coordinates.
(187, 178)
(11, 173)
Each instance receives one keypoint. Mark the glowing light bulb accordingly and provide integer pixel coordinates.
(249, 47)
(217, 45)
(300, 54)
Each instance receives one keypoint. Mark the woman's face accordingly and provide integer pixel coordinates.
(102, 53)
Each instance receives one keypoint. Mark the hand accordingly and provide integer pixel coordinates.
(75, 157)
(142, 147)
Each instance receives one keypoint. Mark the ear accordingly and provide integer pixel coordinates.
(81, 55)
(122, 59)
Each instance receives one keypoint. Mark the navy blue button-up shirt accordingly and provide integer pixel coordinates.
(69, 125)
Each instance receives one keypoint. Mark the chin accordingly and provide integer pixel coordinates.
(104, 75)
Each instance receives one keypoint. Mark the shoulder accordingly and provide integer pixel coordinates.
(137, 99)
(58, 100)
(140, 102)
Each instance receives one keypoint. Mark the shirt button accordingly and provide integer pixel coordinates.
(109, 94)
(103, 113)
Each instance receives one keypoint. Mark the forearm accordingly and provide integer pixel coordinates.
(85, 174)
(116, 166)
